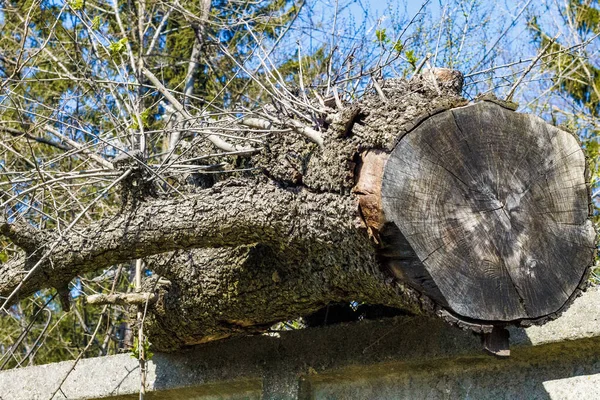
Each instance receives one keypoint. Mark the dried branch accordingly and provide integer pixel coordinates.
(18, 133)
(215, 139)
(514, 87)
(122, 299)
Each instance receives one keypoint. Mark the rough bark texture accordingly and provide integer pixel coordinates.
(232, 213)
(313, 228)
(219, 292)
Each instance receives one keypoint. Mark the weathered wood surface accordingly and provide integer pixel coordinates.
(483, 221)
(123, 299)
(495, 206)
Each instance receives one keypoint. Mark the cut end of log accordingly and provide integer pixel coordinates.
(487, 213)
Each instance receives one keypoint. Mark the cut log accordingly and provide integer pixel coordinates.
(487, 212)
(480, 213)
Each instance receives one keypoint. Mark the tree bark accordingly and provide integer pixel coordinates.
(416, 202)
(232, 213)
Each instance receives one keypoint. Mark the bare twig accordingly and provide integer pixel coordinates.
(512, 90)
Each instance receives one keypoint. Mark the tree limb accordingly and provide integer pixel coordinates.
(21, 234)
(122, 299)
(295, 125)
(74, 145)
(17, 133)
(222, 216)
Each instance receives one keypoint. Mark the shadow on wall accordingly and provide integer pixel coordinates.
(558, 371)
(398, 358)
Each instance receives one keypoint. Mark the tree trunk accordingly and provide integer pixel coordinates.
(475, 213)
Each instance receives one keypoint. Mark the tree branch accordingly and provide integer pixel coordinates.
(21, 234)
(74, 145)
(214, 139)
(295, 125)
(17, 133)
(122, 299)
(71, 145)
(222, 216)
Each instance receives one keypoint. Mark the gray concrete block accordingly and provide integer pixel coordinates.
(407, 357)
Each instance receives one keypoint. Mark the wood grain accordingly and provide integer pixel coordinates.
(495, 206)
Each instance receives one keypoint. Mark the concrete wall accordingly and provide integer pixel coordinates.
(399, 358)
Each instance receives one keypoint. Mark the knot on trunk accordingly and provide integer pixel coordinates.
(431, 82)
(138, 184)
(445, 80)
